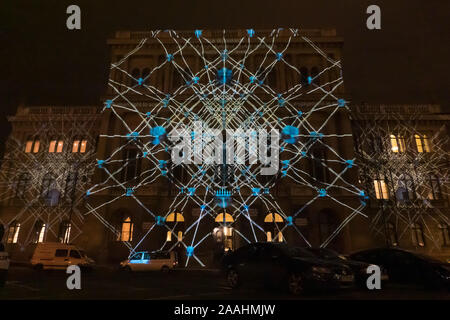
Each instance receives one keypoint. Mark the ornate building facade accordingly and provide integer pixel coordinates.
(52, 161)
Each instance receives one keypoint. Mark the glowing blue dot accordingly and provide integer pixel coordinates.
(299, 113)
(309, 79)
(169, 57)
(129, 192)
(255, 191)
(250, 32)
(108, 104)
(160, 220)
(198, 33)
(158, 134)
(140, 81)
(189, 251)
(279, 56)
(341, 103)
(349, 163)
(289, 220)
(100, 163)
(290, 134)
(322, 192)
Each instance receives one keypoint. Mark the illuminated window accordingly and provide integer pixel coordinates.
(126, 233)
(52, 146)
(224, 217)
(59, 147)
(28, 146)
(444, 234)
(392, 234)
(422, 143)
(180, 235)
(397, 143)
(83, 146)
(417, 233)
(32, 145)
(64, 232)
(269, 236)
(39, 232)
(381, 191)
(280, 236)
(435, 188)
(228, 231)
(169, 236)
(13, 232)
(79, 145)
(75, 146)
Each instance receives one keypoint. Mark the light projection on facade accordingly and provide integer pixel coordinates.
(405, 168)
(46, 171)
(234, 131)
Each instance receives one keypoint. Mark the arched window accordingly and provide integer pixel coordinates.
(169, 236)
(304, 74)
(13, 232)
(417, 235)
(392, 234)
(48, 184)
(397, 143)
(405, 188)
(422, 143)
(443, 227)
(315, 75)
(173, 219)
(32, 145)
(381, 190)
(39, 231)
(435, 188)
(126, 232)
(64, 231)
(22, 184)
(272, 219)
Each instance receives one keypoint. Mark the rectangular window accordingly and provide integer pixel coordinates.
(52, 146)
(422, 143)
(397, 143)
(36, 146)
(381, 190)
(28, 146)
(61, 253)
(83, 146)
(13, 233)
(59, 149)
(41, 234)
(75, 146)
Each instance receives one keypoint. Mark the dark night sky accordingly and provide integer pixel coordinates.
(41, 62)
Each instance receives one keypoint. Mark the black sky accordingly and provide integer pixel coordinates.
(41, 62)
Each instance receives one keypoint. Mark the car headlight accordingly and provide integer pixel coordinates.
(321, 270)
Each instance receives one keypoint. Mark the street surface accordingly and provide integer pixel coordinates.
(107, 283)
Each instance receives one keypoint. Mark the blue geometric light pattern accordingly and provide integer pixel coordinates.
(227, 91)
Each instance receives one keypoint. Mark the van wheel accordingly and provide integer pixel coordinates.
(165, 269)
(39, 267)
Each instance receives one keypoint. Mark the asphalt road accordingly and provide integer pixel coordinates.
(25, 283)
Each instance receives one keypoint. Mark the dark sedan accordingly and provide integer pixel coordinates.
(359, 268)
(408, 267)
(276, 264)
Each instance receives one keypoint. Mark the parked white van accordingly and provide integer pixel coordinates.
(55, 255)
(150, 261)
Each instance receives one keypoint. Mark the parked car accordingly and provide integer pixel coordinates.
(58, 256)
(408, 267)
(359, 268)
(4, 265)
(274, 264)
(151, 261)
